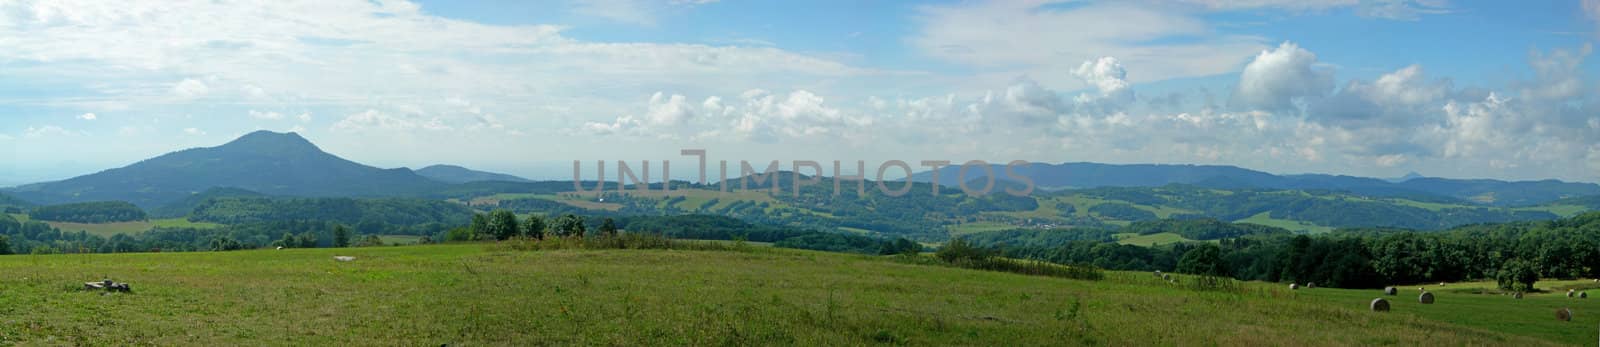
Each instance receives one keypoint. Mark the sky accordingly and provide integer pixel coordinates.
(1444, 88)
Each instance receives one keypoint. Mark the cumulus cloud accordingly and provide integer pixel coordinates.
(1401, 98)
(1279, 78)
(194, 131)
(304, 117)
(668, 111)
(88, 116)
(1110, 79)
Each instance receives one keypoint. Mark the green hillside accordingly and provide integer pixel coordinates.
(475, 294)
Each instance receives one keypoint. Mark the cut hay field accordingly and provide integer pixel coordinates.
(476, 294)
(109, 229)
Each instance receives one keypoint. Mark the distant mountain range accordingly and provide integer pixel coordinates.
(457, 174)
(285, 164)
(1414, 187)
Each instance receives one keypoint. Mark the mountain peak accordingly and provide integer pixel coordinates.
(269, 141)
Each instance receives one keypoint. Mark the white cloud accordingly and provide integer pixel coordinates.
(88, 116)
(637, 12)
(304, 117)
(190, 88)
(45, 131)
(1276, 79)
(268, 115)
(1386, 9)
(1110, 79)
(194, 131)
(668, 111)
(1044, 42)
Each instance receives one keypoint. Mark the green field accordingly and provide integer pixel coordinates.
(1156, 239)
(109, 229)
(472, 294)
(1291, 225)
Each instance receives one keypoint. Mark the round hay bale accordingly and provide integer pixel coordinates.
(1570, 293)
(1390, 291)
(1158, 273)
(1583, 295)
(1379, 305)
(1167, 277)
(1310, 285)
(1517, 295)
(1564, 314)
(1293, 286)
(1441, 284)
(1425, 298)
(1421, 289)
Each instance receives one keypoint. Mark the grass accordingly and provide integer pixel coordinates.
(1156, 239)
(109, 229)
(475, 294)
(1292, 225)
(979, 227)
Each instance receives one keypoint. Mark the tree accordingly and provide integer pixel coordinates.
(1517, 275)
(5, 245)
(502, 224)
(341, 236)
(288, 241)
(534, 227)
(307, 240)
(480, 227)
(569, 225)
(608, 228)
(1203, 260)
(458, 234)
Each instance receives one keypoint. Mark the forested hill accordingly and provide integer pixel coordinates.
(1093, 175)
(262, 161)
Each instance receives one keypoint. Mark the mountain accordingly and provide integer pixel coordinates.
(1415, 187)
(1409, 176)
(263, 161)
(457, 174)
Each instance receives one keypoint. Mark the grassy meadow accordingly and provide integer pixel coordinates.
(478, 294)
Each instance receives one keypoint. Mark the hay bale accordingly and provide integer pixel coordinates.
(1310, 285)
(1564, 314)
(1167, 277)
(1518, 295)
(1570, 293)
(1441, 284)
(1425, 298)
(1390, 291)
(344, 258)
(1158, 273)
(1379, 305)
(1293, 286)
(1583, 295)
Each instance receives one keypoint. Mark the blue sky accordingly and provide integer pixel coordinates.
(1373, 88)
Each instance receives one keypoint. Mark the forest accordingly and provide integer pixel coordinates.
(1349, 258)
(89, 212)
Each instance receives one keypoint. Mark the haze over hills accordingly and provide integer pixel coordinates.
(262, 161)
(1415, 187)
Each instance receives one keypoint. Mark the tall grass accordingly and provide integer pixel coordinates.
(619, 241)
